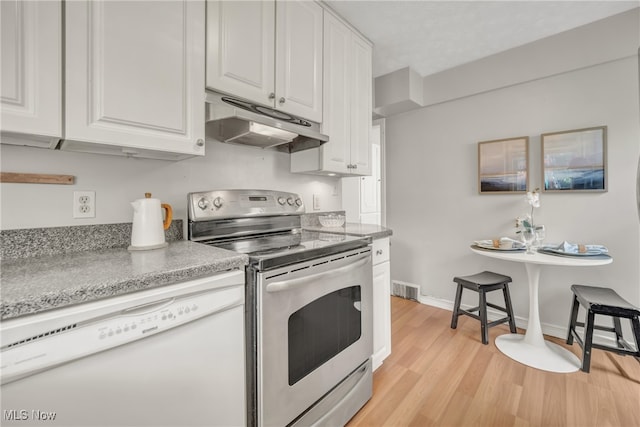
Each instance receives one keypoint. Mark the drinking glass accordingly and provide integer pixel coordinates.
(529, 236)
(540, 235)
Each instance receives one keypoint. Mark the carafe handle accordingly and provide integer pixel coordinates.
(168, 215)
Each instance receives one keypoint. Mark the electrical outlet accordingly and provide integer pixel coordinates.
(84, 204)
(316, 202)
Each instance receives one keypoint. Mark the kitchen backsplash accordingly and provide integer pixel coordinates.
(32, 242)
(117, 181)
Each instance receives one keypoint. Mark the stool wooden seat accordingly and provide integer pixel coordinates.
(482, 283)
(606, 302)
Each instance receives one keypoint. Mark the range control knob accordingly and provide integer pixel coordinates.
(203, 203)
(290, 201)
(298, 202)
(217, 202)
(281, 200)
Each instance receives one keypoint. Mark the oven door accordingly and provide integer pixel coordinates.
(314, 329)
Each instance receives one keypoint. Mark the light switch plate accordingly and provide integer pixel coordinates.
(316, 202)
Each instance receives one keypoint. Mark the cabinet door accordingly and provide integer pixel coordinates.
(337, 96)
(347, 105)
(381, 313)
(31, 91)
(241, 49)
(299, 58)
(361, 108)
(135, 76)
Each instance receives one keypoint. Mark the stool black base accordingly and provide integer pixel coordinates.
(482, 283)
(606, 302)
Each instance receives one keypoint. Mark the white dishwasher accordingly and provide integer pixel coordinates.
(168, 356)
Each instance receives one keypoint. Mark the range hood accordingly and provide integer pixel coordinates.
(237, 121)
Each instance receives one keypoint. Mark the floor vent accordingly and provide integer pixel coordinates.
(404, 290)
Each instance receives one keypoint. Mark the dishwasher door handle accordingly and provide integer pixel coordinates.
(148, 307)
(286, 285)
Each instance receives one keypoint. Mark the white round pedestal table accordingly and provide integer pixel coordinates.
(531, 348)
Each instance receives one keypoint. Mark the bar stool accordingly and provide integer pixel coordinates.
(482, 283)
(606, 302)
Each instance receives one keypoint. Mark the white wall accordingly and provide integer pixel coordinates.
(118, 181)
(596, 43)
(435, 210)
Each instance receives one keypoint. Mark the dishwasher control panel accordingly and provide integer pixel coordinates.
(50, 348)
(152, 322)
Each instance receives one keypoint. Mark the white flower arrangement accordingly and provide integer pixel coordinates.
(526, 222)
(533, 198)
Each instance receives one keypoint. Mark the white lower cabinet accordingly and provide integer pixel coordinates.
(31, 70)
(134, 78)
(381, 302)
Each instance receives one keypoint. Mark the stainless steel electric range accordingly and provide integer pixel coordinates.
(309, 306)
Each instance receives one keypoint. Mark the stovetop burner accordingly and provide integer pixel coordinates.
(277, 250)
(263, 224)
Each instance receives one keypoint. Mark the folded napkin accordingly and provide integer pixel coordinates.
(574, 248)
(503, 243)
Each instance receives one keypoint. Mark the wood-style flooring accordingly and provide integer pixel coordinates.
(438, 376)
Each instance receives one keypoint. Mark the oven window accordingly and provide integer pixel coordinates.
(322, 329)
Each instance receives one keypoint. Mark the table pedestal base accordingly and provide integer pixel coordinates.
(550, 357)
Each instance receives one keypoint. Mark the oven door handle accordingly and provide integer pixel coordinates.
(286, 285)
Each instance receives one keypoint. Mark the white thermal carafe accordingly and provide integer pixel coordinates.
(148, 226)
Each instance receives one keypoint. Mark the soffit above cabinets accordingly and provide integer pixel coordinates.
(432, 36)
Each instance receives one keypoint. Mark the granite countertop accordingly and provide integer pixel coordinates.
(32, 285)
(355, 229)
(48, 268)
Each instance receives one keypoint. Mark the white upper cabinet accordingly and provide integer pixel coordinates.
(240, 48)
(267, 52)
(31, 91)
(336, 154)
(347, 105)
(135, 77)
(361, 106)
(299, 58)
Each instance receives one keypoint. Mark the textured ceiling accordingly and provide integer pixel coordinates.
(431, 36)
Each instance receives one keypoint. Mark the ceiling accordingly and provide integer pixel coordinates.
(432, 36)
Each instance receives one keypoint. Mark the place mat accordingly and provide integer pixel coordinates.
(501, 244)
(492, 248)
(575, 249)
(554, 252)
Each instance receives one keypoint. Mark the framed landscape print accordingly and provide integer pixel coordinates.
(575, 160)
(503, 166)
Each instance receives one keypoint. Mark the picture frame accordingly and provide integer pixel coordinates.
(575, 160)
(503, 166)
